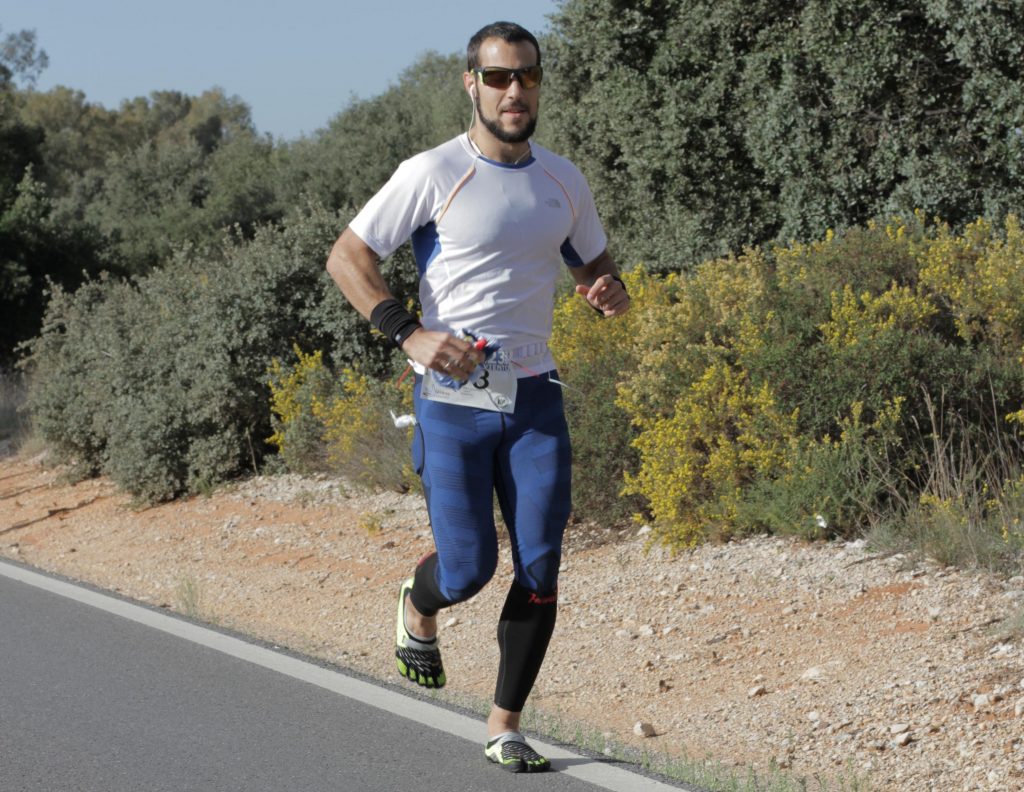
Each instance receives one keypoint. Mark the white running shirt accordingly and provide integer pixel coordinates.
(489, 240)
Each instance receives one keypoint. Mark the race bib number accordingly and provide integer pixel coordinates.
(493, 389)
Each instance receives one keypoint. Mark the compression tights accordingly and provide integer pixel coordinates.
(524, 631)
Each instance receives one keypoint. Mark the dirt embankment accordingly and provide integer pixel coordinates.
(821, 658)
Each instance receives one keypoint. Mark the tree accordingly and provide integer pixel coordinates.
(348, 161)
(706, 126)
(19, 58)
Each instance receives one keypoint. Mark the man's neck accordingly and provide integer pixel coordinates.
(494, 149)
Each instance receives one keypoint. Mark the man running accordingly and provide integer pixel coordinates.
(493, 218)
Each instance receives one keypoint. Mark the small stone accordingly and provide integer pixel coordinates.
(899, 728)
(452, 621)
(644, 530)
(813, 674)
(647, 631)
(980, 701)
(644, 729)
(1018, 709)
(813, 717)
(627, 634)
(903, 739)
(757, 690)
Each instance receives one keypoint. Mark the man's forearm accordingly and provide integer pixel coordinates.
(602, 265)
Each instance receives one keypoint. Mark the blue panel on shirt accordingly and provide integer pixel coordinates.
(569, 254)
(425, 245)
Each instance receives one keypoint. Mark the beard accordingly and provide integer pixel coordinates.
(502, 134)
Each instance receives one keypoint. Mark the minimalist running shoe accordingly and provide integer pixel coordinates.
(511, 752)
(417, 660)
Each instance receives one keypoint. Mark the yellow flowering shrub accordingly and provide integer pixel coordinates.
(362, 440)
(723, 434)
(864, 318)
(297, 394)
(339, 423)
(980, 277)
(594, 356)
(787, 390)
(678, 339)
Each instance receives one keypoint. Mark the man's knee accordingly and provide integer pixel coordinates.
(460, 582)
(541, 574)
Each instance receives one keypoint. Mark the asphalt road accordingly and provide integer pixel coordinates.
(101, 695)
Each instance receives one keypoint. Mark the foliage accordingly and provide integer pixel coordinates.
(786, 387)
(339, 423)
(969, 508)
(19, 58)
(124, 190)
(159, 381)
(344, 164)
(791, 390)
(34, 247)
(595, 355)
(707, 126)
(724, 434)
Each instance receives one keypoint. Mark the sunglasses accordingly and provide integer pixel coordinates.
(497, 77)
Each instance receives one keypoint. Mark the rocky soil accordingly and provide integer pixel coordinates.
(823, 659)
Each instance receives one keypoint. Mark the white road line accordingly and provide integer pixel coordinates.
(594, 772)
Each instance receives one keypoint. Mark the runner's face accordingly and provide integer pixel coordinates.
(511, 114)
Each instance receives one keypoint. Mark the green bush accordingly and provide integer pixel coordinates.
(708, 125)
(161, 382)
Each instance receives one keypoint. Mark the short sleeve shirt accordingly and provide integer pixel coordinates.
(489, 239)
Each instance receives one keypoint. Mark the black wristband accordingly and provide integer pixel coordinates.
(396, 323)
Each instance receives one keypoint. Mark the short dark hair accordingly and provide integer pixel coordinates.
(508, 32)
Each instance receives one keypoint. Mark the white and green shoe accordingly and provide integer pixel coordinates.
(511, 752)
(417, 659)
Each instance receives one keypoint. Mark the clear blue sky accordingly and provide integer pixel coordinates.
(296, 63)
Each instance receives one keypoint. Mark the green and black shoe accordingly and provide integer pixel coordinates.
(511, 752)
(417, 660)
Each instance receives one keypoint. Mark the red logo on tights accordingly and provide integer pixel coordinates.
(548, 600)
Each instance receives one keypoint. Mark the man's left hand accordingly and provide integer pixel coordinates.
(607, 295)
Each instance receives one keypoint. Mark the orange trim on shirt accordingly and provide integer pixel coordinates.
(565, 191)
(451, 196)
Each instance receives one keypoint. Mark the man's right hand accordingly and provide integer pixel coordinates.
(443, 352)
